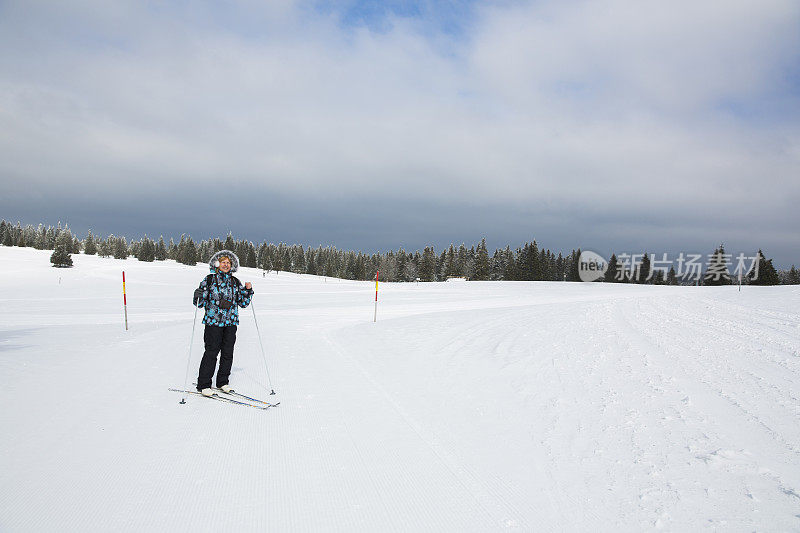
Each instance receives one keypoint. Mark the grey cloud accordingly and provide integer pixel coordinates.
(597, 109)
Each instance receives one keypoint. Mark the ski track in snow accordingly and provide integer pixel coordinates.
(467, 407)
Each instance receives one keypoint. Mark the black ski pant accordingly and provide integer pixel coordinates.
(218, 339)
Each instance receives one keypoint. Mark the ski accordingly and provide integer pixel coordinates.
(239, 394)
(224, 399)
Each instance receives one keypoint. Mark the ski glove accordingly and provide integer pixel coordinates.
(198, 295)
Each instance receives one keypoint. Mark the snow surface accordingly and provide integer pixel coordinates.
(479, 406)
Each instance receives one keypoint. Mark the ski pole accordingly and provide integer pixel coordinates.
(263, 355)
(189, 358)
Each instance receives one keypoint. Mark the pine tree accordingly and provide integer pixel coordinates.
(793, 277)
(104, 246)
(510, 271)
(265, 256)
(482, 262)
(643, 269)
(121, 248)
(190, 254)
(545, 264)
(161, 249)
(181, 249)
(612, 271)
(766, 275)
(311, 262)
(30, 236)
(298, 259)
(427, 267)
(461, 261)
(497, 265)
(450, 263)
(672, 277)
(573, 261)
(230, 244)
(146, 251)
(718, 272)
(90, 247)
(61, 258)
(277, 261)
(531, 266)
(172, 250)
(61, 255)
(51, 237)
(8, 238)
(187, 251)
(411, 270)
(561, 266)
(41, 238)
(399, 265)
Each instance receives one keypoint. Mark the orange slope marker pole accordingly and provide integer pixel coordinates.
(125, 300)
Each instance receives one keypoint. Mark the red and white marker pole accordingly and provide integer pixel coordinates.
(375, 318)
(125, 300)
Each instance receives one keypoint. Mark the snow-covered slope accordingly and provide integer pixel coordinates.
(466, 407)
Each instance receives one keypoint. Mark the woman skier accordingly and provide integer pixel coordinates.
(221, 294)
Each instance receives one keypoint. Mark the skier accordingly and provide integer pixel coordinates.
(220, 293)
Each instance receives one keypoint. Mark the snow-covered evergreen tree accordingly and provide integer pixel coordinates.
(767, 275)
(612, 271)
(482, 269)
(672, 277)
(40, 242)
(8, 235)
(230, 244)
(120, 249)
(187, 251)
(104, 248)
(793, 276)
(410, 270)
(573, 261)
(172, 250)
(461, 261)
(146, 250)
(19, 235)
(89, 246)
(427, 267)
(643, 269)
(61, 255)
(297, 258)
(718, 272)
(161, 249)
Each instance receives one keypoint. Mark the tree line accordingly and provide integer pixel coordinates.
(525, 263)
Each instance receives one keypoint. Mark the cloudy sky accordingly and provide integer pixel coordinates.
(606, 124)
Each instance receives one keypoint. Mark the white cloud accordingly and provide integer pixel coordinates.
(602, 103)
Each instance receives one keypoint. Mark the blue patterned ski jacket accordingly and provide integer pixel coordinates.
(223, 286)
